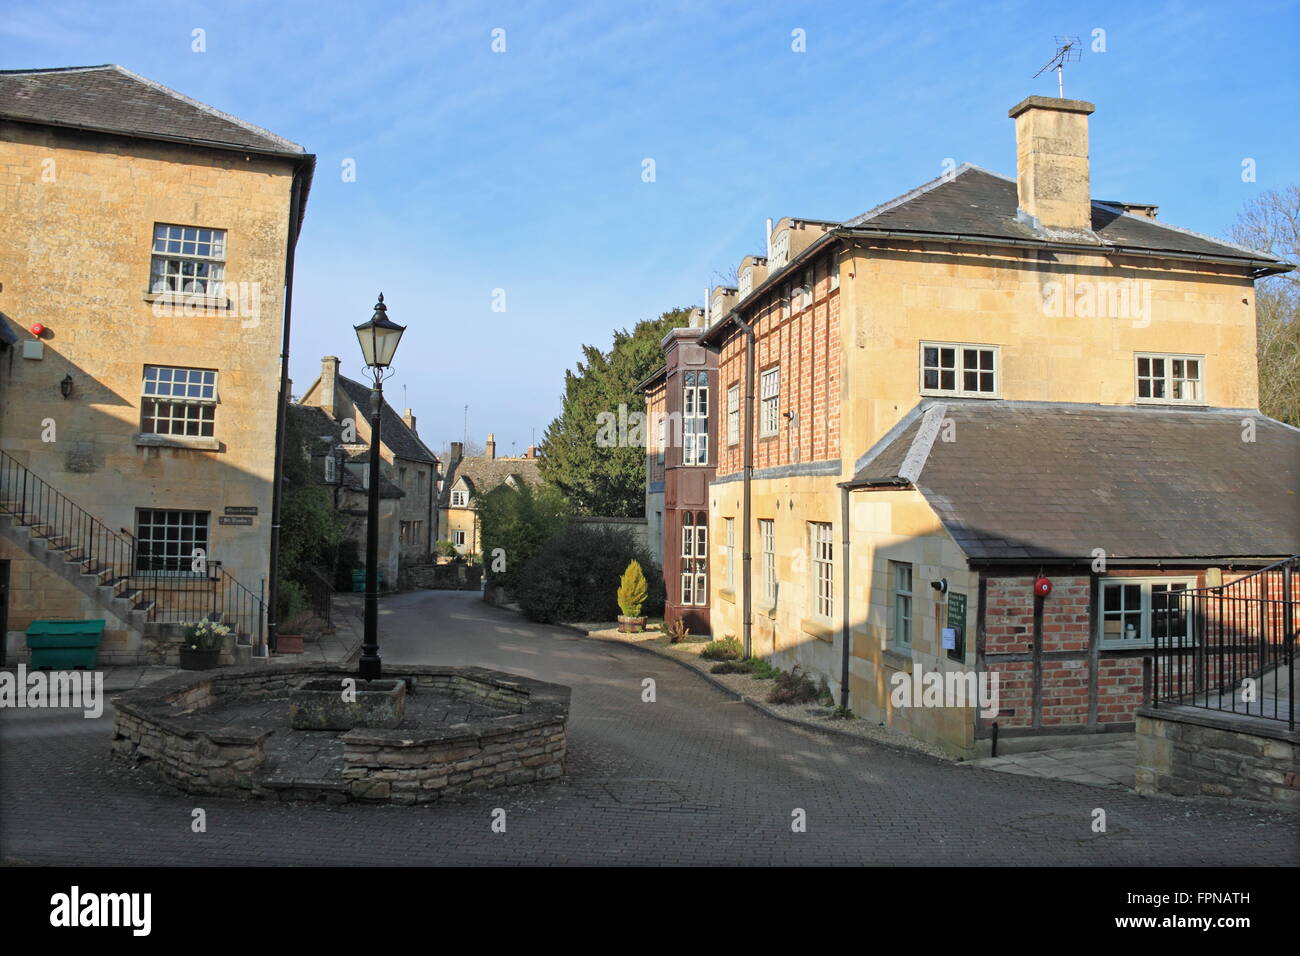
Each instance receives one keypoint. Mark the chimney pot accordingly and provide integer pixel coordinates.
(491, 448)
(1052, 179)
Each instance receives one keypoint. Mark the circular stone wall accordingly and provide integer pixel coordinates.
(227, 732)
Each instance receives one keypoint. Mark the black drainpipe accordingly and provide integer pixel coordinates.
(282, 399)
(844, 612)
(745, 599)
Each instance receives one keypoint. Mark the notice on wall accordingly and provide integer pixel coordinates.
(241, 509)
(233, 519)
(956, 625)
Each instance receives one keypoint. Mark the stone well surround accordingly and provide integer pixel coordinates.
(163, 726)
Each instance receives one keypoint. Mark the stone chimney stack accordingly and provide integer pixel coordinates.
(455, 454)
(329, 379)
(410, 420)
(1052, 182)
(490, 449)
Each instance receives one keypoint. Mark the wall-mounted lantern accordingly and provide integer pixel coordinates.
(65, 386)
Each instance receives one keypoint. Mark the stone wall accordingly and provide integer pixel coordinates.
(452, 577)
(382, 765)
(1187, 751)
(88, 282)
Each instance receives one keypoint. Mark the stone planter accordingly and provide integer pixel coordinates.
(321, 704)
(288, 643)
(196, 660)
(630, 625)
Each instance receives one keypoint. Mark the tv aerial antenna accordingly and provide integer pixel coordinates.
(1068, 50)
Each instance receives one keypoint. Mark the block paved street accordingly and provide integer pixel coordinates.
(694, 778)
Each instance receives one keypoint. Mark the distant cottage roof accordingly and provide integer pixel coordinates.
(112, 99)
(1043, 480)
(393, 432)
(482, 474)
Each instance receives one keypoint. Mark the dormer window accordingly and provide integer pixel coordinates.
(458, 498)
(780, 249)
(746, 283)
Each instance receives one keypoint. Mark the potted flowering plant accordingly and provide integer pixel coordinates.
(201, 646)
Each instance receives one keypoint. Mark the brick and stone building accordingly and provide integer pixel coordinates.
(927, 407)
(145, 240)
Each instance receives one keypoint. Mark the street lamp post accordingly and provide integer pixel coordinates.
(378, 338)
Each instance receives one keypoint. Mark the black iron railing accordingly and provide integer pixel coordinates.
(1231, 647)
(164, 591)
(320, 593)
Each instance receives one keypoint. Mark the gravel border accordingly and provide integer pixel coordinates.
(754, 692)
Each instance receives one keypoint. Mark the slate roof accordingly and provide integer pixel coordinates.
(483, 474)
(112, 99)
(316, 423)
(1042, 480)
(393, 431)
(974, 202)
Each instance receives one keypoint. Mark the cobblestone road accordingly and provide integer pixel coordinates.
(692, 778)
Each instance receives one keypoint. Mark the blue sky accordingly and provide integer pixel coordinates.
(522, 170)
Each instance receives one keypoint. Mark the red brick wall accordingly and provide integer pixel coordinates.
(1066, 628)
(807, 347)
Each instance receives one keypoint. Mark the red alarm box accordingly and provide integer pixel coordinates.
(36, 329)
(1042, 587)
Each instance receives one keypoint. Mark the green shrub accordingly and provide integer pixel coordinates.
(761, 669)
(632, 590)
(842, 713)
(569, 578)
(291, 598)
(793, 688)
(519, 521)
(724, 650)
(731, 667)
(445, 549)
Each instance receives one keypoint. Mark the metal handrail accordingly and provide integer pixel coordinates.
(162, 594)
(1231, 647)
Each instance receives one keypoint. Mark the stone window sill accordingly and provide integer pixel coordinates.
(822, 630)
(727, 595)
(895, 658)
(184, 299)
(143, 440)
(768, 610)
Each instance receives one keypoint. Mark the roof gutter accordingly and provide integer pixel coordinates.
(1186, 562)
(1260, 267)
